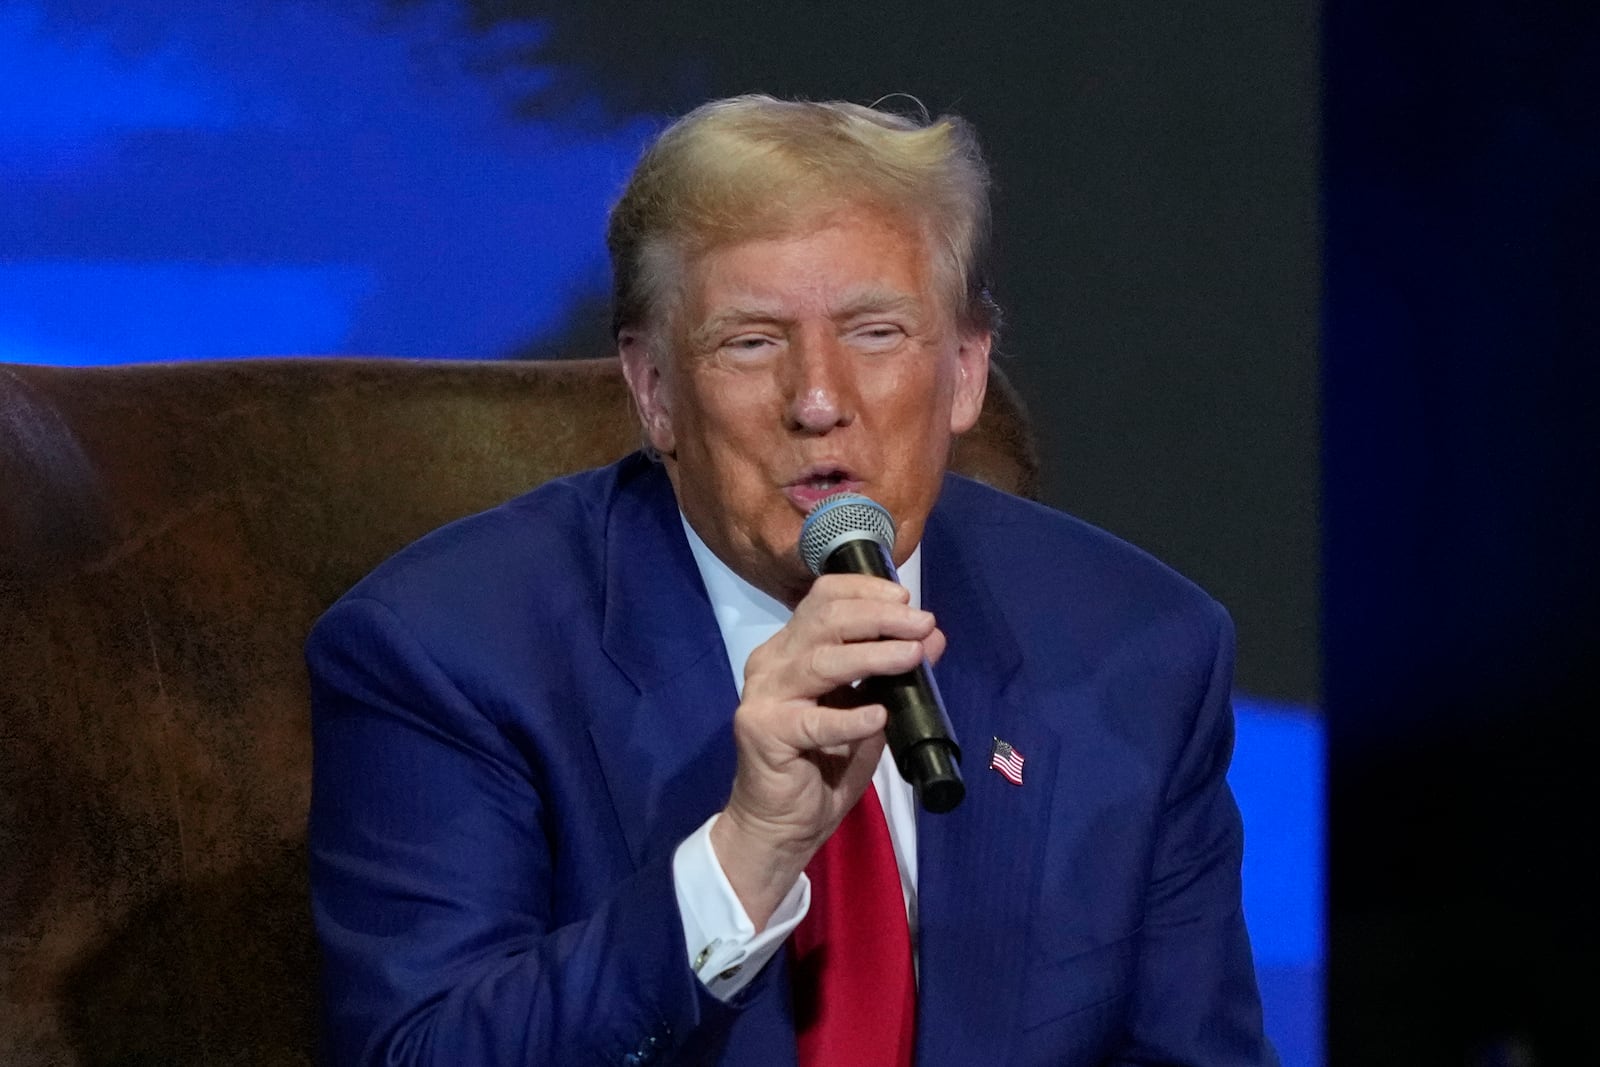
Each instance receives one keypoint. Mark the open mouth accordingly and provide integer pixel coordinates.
(827, 481)
(819, 483)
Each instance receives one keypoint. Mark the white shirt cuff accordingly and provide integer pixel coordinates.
(724, 949)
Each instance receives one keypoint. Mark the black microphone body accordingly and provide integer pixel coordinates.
(918, 728)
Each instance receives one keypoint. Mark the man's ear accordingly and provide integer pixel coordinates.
(972, 380)
(649, 389)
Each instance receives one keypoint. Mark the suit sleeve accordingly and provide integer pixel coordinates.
(431, 885)
(1196, 1002)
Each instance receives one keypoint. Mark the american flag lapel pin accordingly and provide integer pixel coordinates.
(1006, 760)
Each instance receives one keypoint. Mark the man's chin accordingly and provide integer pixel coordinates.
(783, 576)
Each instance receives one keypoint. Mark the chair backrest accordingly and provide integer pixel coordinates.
(168, 533)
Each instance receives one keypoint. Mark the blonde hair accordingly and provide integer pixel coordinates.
(754, 166)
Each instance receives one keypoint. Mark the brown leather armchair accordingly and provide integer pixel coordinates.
(168, 534)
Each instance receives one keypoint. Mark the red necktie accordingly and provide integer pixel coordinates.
(855, 999)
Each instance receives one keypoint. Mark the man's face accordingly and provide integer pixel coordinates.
(801, 366)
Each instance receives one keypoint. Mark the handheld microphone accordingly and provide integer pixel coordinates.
(848, 533)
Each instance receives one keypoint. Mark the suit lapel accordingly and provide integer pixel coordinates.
(667, 749)
(978, 865)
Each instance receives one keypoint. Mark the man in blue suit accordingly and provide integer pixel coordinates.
(581, 760)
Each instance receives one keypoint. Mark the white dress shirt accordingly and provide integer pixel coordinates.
(724, 947)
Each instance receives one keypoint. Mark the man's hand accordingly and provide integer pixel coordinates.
(805, 754)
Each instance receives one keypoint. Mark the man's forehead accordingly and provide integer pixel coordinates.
(860, 258)
(755, 302)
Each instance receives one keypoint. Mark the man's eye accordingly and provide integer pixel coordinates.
(878, 335)
(747, 343)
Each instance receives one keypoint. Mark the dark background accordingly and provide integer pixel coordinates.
(1462, 191)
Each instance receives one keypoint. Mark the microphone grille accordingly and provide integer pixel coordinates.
(839, 518)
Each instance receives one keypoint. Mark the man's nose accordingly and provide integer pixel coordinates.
(821, 386)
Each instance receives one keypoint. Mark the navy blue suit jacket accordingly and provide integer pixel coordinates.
(519, 718)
